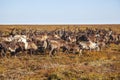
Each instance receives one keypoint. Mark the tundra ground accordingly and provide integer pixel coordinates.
(103, 65)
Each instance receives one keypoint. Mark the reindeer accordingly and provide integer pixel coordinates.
(55, 45)
(89, 45)
(57, 40)
(11, 47)
(31, 47)
(73, 48)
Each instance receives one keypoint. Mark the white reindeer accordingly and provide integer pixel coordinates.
(90, 45)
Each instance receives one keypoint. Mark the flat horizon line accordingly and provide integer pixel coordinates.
(62, 24)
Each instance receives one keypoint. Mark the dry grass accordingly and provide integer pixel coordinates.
(115, 27)
(104, 65)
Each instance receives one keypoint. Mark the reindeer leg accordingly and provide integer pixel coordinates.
(67, 51)
(12, 54)
(80, 52)
(50, 53)
(31, 52)
(3, 54)
(15, 54)
(26, 52)
(4, 51)
(44, 51)
(57, 51)
(98, 48)
(54, 51)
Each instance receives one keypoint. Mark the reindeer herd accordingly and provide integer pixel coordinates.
(56, 41)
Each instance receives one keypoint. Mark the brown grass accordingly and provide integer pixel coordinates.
(115, 27)
(104, 65)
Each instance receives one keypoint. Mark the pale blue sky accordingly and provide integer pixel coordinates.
(59, 11)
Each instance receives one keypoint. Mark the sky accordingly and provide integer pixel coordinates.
(59, 11)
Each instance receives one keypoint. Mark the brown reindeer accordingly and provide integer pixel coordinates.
(55, 45)
(11, 47)
(73, 48)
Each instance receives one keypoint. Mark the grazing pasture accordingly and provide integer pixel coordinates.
(60, 52)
